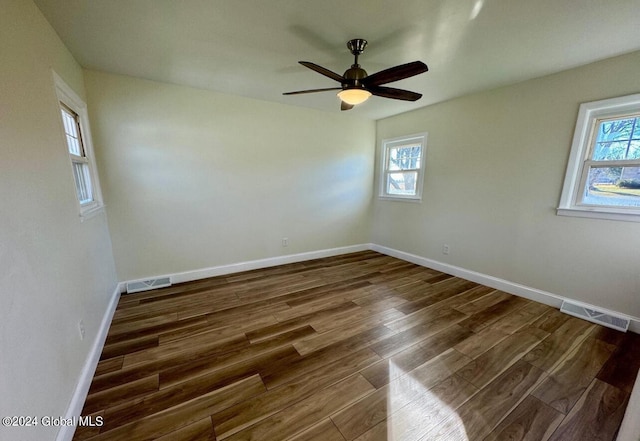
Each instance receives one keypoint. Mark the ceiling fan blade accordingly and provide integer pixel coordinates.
(345, 106)
(322, 70)
(396, 94)
(395, 73)
(298, 92)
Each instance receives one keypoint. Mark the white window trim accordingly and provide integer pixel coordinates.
(71, 99)
(384, 151)
(580, 147)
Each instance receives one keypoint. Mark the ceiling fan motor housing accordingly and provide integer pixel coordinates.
(353, 77)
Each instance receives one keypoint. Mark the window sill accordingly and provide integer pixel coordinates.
(401, 199)
(600, 213)
(91, 212)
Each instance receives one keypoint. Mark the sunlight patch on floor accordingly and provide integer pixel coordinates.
(414, 412)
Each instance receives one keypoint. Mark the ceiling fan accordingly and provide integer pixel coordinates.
(357, 86)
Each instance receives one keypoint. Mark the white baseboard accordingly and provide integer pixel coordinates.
(214, 271)
(86, 375)
(503, 285)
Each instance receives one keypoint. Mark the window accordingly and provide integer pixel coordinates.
(75, 124)
(603, 175)
(403, 167)
(79, 159)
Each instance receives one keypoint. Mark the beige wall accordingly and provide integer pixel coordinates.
(194, 179)
(56, 270)
(495, 167)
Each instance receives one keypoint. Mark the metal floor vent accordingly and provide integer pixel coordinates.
(602, 318)
(146, 285)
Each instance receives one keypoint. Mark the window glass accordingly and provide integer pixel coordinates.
(403, 167)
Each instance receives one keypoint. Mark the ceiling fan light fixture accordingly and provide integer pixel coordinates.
(354, 96)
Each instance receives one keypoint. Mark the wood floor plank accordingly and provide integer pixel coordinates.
(343, 320)
(566, 384)
(201, 343)
(608, 335)
(143, 311)
(549, 352)
(174, 418)
(551, 320)
(484, 302)
(266, 332)
(319, 305)
(232, 367)
(281, 373)
(212, 332)
(129, 346)
(521, 318)
(381, 373)
(622, 368)
(402, 340)
(480, 342)
(406, 388)
(423, 317)
(135, 327)
(318, 341)
(325, 431)
(124, 393)
(109, 365)
(370, 341)
(424, 415)
(596, 416)
(478, 417)
(201, 430)
(468, 297)
(302, 416)
(380, 432)
(494, 313)
(244, 414)
(438, 292)
(137, 409)
(499, 358)
(84, 432)
(532, 420)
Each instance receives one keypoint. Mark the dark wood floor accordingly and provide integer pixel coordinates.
(356, 347)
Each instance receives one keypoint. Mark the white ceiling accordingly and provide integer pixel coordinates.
(251, 47)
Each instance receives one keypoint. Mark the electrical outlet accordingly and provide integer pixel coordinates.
(445, 249)
(285, 241)
(81, 329)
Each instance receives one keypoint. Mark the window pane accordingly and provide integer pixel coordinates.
(404, 157)
(616, 139)
(610, 151)
(403, 183)
(636, 130)
(618, 129)
(83, 182)
(71, 131)
(634, 150)
(613, 186)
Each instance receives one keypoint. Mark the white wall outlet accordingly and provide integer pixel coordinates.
(445, 249)
(285, 241)
(81, 329)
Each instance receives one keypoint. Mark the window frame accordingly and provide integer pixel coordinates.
(385, 147)
(68, 99)
(580, 161)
